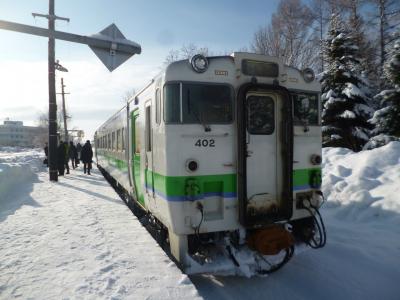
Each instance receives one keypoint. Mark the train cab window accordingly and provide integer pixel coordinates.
(305, 109)
(260, 115)
(193, 103)
(158, 106)
(172, 106)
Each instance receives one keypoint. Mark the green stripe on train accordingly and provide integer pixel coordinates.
(302, 177)
(115, 162)
(176, 185)
(192, 185)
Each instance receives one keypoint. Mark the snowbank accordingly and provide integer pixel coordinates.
(363, 186)
(18, 170)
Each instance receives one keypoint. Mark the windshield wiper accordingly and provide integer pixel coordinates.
(198, 115)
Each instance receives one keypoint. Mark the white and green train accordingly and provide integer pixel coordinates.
(223, 154)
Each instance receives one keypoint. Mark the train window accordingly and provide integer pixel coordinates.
(198, 103)
(172, 107)
(158, 106)
(123, 139)
(148, 129)
(260, 115)
(113, 141)
(109, 142)
(119, 140)
(260, 68)
(206, 103)
(305, 109)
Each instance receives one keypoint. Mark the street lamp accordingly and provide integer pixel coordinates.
(61, 68)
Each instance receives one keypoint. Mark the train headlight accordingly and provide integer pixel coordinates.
(192, 165)
(308, 75)
(199, 63)
(316, 159)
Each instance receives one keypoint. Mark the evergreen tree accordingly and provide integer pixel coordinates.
(345, 110)
(387, 119)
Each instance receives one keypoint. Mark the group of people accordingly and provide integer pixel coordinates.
(69, 152)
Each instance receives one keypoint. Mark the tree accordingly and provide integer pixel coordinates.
(128, 95)
(186, 52)
(387, 19)
(289, 35)
(345, 104)
(387, 119)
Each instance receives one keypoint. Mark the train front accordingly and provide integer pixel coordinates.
(241, 132)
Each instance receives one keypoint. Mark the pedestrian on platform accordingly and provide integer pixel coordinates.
(46, 152)
(79, 149)
(66, 158)
(86, 157)
(73, 154)
(61, 158)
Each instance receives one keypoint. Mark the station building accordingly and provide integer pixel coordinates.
(14, 133)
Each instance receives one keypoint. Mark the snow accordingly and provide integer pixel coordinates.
(76, 239)
(347, 114)
(352, 90)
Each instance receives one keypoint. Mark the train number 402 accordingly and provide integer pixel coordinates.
(205, 143)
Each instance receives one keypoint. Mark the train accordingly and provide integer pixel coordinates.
(222, 155)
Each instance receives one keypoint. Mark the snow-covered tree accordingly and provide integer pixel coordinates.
(345, 103)
(387, 119)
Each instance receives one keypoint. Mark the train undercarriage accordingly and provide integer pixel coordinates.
(243, 252)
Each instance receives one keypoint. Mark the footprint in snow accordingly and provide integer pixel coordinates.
(343, 171)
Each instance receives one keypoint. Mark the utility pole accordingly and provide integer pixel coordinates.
(52, 91)
(109, 45)
(64, 110)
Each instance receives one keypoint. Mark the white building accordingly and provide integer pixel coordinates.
(14, 133)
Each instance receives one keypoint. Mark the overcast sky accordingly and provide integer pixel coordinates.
(157, 25)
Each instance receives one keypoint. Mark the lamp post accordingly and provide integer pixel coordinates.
(61, 68)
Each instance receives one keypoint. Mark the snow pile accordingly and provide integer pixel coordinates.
(363, 186)
(18, 169)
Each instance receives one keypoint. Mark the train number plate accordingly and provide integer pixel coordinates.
(205, 143)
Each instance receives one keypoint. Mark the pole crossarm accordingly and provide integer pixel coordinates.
(120, 45)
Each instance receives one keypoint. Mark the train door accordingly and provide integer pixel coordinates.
(263, 157)
(135, 155)
(149, 176)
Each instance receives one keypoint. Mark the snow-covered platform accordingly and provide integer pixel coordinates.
(75, 238)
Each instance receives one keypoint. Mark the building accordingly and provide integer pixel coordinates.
(14, 133)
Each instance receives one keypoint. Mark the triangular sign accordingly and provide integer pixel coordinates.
(112, 58)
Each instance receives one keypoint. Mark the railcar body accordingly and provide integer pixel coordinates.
(225, 153)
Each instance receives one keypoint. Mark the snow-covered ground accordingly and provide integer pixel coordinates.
(76, 238)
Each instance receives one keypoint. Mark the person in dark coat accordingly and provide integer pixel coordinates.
(61, 158)
(86, 157)
(46, 152)
(66, 158)
(79, 149)
(73, 154)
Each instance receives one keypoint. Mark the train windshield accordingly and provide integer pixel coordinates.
(193, 103)
(305, 109)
